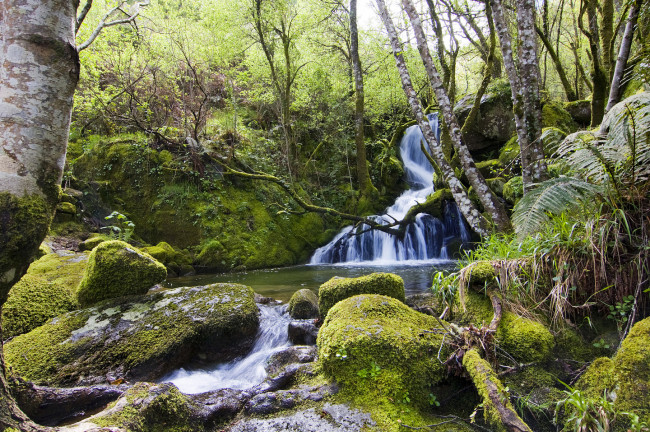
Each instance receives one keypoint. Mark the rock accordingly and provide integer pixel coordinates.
(495, 123)
(117, 269)
(338, 288)
(47, 290)
(479, 275)
(383, 337)
(302, 332)
(580, 111)
(290, 355)
(91, 243)
(524, 339)
(178, 262)
(329, 418)
(426, 303)
(628, 372)
(271, 402)
(554, 115)
(513, 190)
(138, 338)
(496, 185)
(303, 304)
(218, 406)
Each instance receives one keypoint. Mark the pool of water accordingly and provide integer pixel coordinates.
(281, 283)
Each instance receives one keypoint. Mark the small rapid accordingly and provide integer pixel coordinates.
(244, 372)
(425, 239)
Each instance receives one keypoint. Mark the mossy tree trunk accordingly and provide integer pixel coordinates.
(366, 189)
(490, 202)
(465, 205)
(39, 73)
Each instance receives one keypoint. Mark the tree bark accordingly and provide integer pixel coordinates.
(599, 77)
(623, 55)
(497, 408)
(524, 85)
(467, 208)
(566, 85)
(489, 200)
(39, 69)
(363, 177)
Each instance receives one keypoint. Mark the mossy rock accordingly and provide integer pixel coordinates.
(303, 304)
(570, 344)
(338, 288)
(147, 407)
(117, 269)
(32, 302)
(479, 275)
(434, 205)
(510, 152)
(524, 339)
(554, 115)
(472, 308)
(92, 242)
(496, 185)
(513, 190)
(383, 337)
(490, 168)
(138, 338)
(580, 111)
(165, 253)
(213, 257)
(66, 207)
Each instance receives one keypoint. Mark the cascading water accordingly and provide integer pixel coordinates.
(245, 372)
(425, 239)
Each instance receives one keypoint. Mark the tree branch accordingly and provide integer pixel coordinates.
(135, 12)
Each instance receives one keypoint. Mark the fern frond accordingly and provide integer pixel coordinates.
(550, 197)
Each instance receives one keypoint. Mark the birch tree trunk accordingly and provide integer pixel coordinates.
(623, 55)
(523, 75)
(489, 200)
(465, 205)
(39, 69)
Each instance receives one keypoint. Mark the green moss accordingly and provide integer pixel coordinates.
(337, 289)
(509, 152)
(474, 308)
(66, 207)
(32, 302)
(152, 408)
(554, 115)
(479, 275)
(213, 256)
(141, 337)
(481, 371)
(23, 225)
(92, 242)
(117, 269)
(570, 345)
(381, 334)
(496, 185)
(526, 340)
(513, 190)
(490, 168)
(303, 304)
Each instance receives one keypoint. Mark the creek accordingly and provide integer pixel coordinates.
(422, 252)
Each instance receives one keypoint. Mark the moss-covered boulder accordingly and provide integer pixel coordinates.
(47, 290)
(303, 304)
(140, 337)
(375, 343)
(117, 269)
(554, 115)
(510, 153)
(490, 168)
(580, 111)
(479, 275)
(627, 373)
(513, 190)
(525, 339)
(338, 288)
(92, 242)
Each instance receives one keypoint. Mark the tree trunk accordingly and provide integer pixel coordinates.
(623, 55)
(38, 75)
(489, 200)
(524, 84)
(599, 77)
(566, 85)
(363, 177)
(467, 208)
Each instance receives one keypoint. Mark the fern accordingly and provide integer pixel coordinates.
(553, 196)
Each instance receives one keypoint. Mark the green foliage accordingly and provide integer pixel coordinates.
(373, 371)
(444, 287)
(584, 414)
(122, 228)
(620, 312)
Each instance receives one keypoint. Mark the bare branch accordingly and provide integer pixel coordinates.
(104, 23)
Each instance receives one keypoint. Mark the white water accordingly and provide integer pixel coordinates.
(245, 372)
(425, 239)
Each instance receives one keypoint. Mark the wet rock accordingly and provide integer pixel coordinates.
(139, 338)
(293, 354)
(330, 418)
(426, 303)
(271, 402)
(218, 406)
(303, 304)
(303, 332)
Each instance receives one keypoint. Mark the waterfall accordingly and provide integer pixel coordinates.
(425, 239)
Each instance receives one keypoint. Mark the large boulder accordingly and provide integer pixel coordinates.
(375, 343)
(338, 288)
(47, 290)
(117, 269)
(303, 304)
(627, 373)
(139, 338)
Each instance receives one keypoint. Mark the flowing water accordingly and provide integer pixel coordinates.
(425, 239)
(422, 252)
